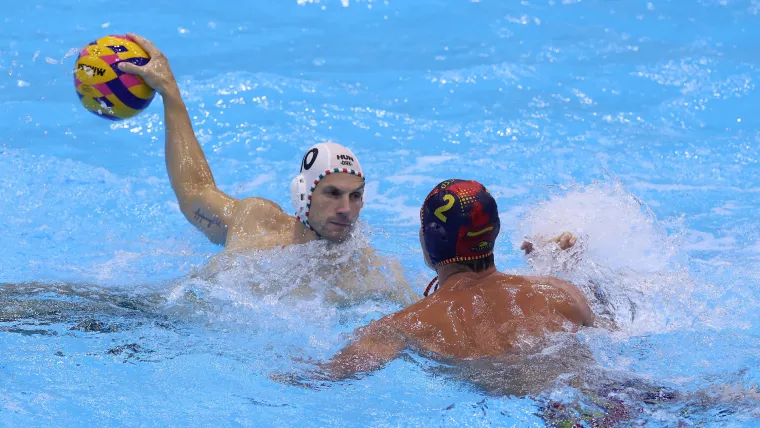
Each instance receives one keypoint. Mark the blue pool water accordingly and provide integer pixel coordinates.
(631, 124)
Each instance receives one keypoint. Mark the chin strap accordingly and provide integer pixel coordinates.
(427, 290)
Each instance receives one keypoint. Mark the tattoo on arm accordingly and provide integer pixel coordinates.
(200, 218)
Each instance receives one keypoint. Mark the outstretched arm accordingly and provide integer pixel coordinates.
(378, 344)
(202, 203)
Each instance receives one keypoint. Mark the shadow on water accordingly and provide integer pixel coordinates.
(572, 390)
(48, 303)
(37, 308)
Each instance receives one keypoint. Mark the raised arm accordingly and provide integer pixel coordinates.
(202, 203)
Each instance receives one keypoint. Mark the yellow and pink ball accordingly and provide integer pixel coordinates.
(105, 90)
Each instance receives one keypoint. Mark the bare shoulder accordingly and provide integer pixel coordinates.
(260, 203)
(553, 282)
(259, 214)
(579, 301)
(258, 207)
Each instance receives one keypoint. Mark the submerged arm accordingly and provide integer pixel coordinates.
(378, 344)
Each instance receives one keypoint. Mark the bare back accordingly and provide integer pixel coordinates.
(492, 316)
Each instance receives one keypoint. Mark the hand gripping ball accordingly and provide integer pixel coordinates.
(105, 90)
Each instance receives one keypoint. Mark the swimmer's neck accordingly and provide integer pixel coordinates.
(454, 273)
(303, 234)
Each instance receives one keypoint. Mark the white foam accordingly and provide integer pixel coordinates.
(282, 287)
(626, 263)
(618, 230)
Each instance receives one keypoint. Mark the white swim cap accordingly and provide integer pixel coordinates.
(320, 161)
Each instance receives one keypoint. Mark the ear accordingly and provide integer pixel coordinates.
(435, 229)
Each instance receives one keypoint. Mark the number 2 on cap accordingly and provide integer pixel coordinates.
(449, 203)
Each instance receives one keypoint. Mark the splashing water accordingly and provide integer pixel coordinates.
(325, 284)
(628, 265)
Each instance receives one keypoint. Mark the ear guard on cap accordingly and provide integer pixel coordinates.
(298, 192)
(435, 231)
